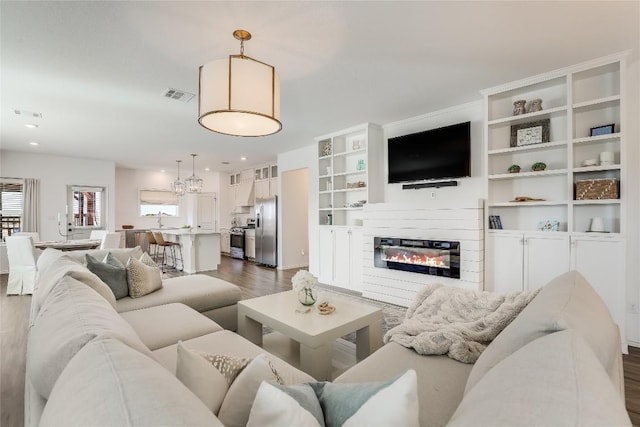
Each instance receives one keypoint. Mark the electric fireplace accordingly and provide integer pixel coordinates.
(435, 257)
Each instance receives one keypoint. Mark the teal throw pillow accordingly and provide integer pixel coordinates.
(393, 402)
(111, 272)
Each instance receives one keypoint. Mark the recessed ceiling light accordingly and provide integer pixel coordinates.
(162, 170)
(243, 158)
(31, 125)
(207, 169)
(35, 144)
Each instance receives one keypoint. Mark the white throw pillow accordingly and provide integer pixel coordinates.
(207, 376)
(142, 278)
(393, 402)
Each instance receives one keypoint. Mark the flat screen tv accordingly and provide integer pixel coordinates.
(440, 153)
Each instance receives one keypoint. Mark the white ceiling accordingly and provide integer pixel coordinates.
(96, 70)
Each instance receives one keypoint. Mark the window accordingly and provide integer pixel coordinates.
(10, 207)
(158, 202)
(87, 204)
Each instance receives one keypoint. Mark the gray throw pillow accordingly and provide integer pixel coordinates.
(110, 273)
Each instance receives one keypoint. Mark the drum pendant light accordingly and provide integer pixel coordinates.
(239, 96)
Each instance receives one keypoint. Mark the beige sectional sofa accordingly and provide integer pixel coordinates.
(558, 363)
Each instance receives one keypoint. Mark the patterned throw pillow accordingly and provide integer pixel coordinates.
(141, 277)
(226, 385)
(111, 272)
(393, 402)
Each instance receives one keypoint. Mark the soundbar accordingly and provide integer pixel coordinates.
(430, 184)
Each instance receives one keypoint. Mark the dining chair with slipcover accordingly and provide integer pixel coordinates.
(22, 265)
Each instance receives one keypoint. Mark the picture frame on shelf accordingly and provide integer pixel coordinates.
(602, 130)
(327, 148)
(549, 225)
(530, 133)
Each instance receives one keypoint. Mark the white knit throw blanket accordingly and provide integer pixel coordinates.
(457, 322)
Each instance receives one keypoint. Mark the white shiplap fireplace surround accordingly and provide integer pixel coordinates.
(439, 220)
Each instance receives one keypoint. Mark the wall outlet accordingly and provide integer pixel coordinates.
(633, 308)
(433, 194)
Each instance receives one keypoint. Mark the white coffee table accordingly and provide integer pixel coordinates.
(314, 332)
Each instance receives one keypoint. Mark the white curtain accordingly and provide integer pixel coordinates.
(31, 205)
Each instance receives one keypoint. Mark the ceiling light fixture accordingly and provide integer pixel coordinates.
(239, 96)
(193, 183)
(177, 185)
(35, 144)
(31, 125)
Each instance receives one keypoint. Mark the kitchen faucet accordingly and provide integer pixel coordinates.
(159, 219)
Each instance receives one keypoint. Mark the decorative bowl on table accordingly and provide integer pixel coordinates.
(127, 227)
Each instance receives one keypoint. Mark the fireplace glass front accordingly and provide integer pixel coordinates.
(438, 258)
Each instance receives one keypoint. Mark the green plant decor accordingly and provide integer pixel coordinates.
(514, 169)
(538, 166)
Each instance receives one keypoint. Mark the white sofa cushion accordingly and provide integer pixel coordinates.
(167, 324)
(198, 291)
(441, 379)
(72, 315)
(554, 380)
(90, 279)
(109, 384)
(567, 302)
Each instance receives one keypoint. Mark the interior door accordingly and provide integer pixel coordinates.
(206, 211)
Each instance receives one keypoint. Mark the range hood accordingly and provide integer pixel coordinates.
(244, 194)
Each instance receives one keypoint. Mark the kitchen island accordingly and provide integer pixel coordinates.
(200, 248)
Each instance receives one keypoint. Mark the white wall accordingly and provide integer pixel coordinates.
(55, 173)
(631, 193)
(294, 217)
(468, 188)
(128, 182)
(302, 158)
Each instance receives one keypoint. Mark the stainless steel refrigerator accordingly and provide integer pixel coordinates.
(266, 231)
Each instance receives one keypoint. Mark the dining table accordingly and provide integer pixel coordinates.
(68, 245)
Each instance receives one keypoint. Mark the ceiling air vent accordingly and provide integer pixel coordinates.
(27, 113)
(178, 95)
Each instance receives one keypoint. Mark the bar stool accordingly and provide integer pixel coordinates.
(153, 246)
(161, 243)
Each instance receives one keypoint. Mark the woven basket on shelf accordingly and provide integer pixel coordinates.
(596, 189)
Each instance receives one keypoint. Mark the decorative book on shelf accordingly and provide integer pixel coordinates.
(494, 222)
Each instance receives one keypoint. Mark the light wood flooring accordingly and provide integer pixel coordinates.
(253, 280)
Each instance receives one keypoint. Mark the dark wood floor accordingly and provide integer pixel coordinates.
(253, 280)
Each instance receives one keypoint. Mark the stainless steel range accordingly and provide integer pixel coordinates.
(237, 242)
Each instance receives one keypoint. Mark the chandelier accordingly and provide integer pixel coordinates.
(177, 185)
(239, 96)
(193, 183)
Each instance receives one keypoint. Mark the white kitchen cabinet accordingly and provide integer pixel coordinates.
(225, 241)
(341, 257)
(526, 261)
(250, 243)
(601, 261)
(262, 189)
